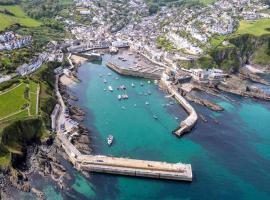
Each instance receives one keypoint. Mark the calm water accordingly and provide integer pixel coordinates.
(229, 160)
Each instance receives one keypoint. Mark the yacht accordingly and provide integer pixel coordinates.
(110, 88)
(110, 140)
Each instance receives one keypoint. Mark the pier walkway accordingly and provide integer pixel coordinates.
(191, 120)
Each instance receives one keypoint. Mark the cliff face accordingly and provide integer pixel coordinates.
(18, 135)
(239, 52)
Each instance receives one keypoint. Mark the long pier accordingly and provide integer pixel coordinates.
(191, 120)
(125, 166)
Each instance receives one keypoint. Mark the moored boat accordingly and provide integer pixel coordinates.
(110, 140)
(110, 88)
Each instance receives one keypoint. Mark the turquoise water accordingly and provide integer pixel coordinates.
(230, 160)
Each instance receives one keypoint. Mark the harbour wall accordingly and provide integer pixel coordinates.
(129, 72)
(190, 121)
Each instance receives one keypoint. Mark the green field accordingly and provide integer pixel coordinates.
(257, 28)
(18, 102)
(18, 16)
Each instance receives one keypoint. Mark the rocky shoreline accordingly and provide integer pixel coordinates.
(44, 158)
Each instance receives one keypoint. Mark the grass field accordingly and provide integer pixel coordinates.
(14, 103)
(257, 28)
(19, 17)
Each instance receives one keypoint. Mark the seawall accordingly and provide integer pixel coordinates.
(130, 72)
(190, 121)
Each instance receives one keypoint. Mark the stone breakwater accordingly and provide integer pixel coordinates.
(133, 72)
(125, 166)
(190, 121)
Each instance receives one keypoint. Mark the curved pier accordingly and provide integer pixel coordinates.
(191, 120)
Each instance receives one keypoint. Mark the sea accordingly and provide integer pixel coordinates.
(229, 154)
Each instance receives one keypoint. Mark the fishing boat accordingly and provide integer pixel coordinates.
(110, 140)
(110, 88)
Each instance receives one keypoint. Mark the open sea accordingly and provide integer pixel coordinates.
(229, 154)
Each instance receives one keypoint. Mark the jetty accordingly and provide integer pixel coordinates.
(144, 73)
(113, 165)
(190, 121)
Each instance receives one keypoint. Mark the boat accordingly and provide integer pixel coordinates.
(104, 81)
(156, 81)
(149, 82)
(155, 117)
(132, 85)
(146, 103)
(116, 78)
(141, 84)
(124, 96)
(119, 97)
(109, 74)
(110, 88)
(149, 93)
(109, 140)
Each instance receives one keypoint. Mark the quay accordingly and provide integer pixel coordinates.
(132, 71)
(190, 121)
(125, 166)
(113, 165)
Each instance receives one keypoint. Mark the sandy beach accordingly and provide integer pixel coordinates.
(78, 59)
(65, 80)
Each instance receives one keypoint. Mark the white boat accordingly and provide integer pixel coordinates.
(141, 84)
(124, 96)
(104, 81)
(132, 85)
(146, 103)
(155, 117)
(110, 88)
(109, 74)
(119, 97)
(156, 81)
(110, 140)
(149, 82)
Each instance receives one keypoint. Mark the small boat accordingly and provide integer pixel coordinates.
(149, 93)
(146, 103)
(116, 78)
(110, 140)
(124, 96)
(155, 117)
(132, 85)
(119, 97)
(105, 89)
(141, 84)
(176, 118)
(149, 82)
(135, 105)
(104, 81)
(100, 75)
(123, 108)
(110, 88)
(156, 81)
(109, 74)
